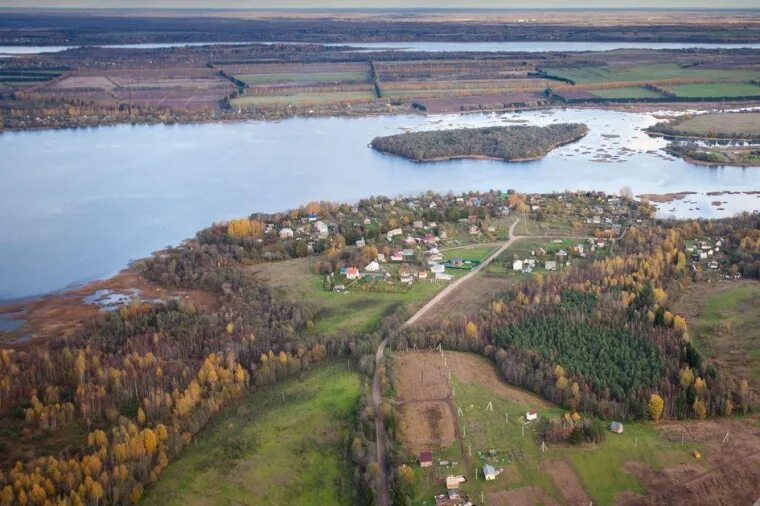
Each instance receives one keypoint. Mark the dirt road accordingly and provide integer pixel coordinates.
(453, 286)
(379, 431)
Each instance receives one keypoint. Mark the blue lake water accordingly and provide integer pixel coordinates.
(79, 204)
(528, 46)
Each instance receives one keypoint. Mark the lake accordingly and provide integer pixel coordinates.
(79, 204)
(489, 47)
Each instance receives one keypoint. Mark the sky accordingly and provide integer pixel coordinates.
(326, 4)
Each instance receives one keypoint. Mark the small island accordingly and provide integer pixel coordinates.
(508, 143)
(723, 138)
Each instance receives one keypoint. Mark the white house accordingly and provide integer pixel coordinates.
(550, 265)
(517, 265)
(322, 229)
(373, 266)
(531, 415)
(361, 243)
(437, 268)
(489, 472)
(286, 233)
(393, 233)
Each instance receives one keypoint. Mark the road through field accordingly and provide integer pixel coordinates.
(453, 286)
(379, 430)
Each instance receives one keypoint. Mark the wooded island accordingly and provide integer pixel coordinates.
(510, 143)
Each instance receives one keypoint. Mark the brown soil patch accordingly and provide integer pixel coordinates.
(64, 313)
(665, 197)
(523, 496)
(728, 474)
(567, 481)
(468, 368)
(427, 425)
(471, 296)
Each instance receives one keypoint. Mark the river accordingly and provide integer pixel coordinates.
(434, 47)
(79, 204)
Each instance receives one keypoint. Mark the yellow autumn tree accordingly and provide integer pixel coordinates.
(471, 330)
(655, 407)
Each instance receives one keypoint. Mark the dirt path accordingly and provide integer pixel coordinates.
(453, 286)
(379, 431)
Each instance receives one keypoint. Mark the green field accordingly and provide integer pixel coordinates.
(716, 90)
(474, 253)
(303, 77)
(269, 451)
(723, 323)
(356, 311)
(626, 92)
(304, 98)
(649, 73)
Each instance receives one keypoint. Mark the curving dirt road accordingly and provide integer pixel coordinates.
(379, 431)
(453, 286)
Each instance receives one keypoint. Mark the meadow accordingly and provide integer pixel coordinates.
(304, 98)
(649, 73)
(712, 123)
(633, 92)
(708, 90)
(303, 77)
(282, 445)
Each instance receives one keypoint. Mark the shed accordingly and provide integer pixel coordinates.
(531, 415)
(489, 472)
(426, 459)
(517, 265)
(616, 427)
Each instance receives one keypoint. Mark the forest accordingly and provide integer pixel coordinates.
(510, 143)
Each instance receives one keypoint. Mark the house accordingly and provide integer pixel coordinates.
(430, 239)
(286, 233)
(596, 219)
(474, 230)
(373, 266)
(322, 229)
(437, 268)
(550, 265)
(531, 415)
(410, 241)
(417, 224)
(361, 243)
(393, 233)
(616, 427)
(453, 494)
(408, 253)
(562, 255)
(491, 228)
(312, 217)
(352, 273)
(489, 472)
(339, 288)
(457, 262)
(452, 482)
(397, 256)
(381, 257)
(517, 265)
(425, 458)
(422, 275)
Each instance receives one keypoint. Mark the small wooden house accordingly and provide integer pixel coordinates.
(616, 427)
(426, 459)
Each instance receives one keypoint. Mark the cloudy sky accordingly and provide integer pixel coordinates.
(513, 4)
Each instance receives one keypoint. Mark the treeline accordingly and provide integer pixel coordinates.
(512, 143)
(601, 339)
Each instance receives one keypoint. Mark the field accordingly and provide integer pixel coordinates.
(647, 464)
(354, 311)
(716, 90)
(626, 92)
(650, 73)
(283, 445)
(304, 98)
(306, 77)
(723, 323)
(712, 123)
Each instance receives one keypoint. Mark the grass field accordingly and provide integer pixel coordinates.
(266, 451)
(626, 92)
(649, 73)
(303, 77)
(474, 253)
(304, 98)
(723, 323)
(716, 90)
(354, 311)
(712, 123)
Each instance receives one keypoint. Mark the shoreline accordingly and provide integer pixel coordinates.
(406, 109)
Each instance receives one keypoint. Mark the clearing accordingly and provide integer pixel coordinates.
(723, 323)
(647, 464)
(282, 445)
(710, 124)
